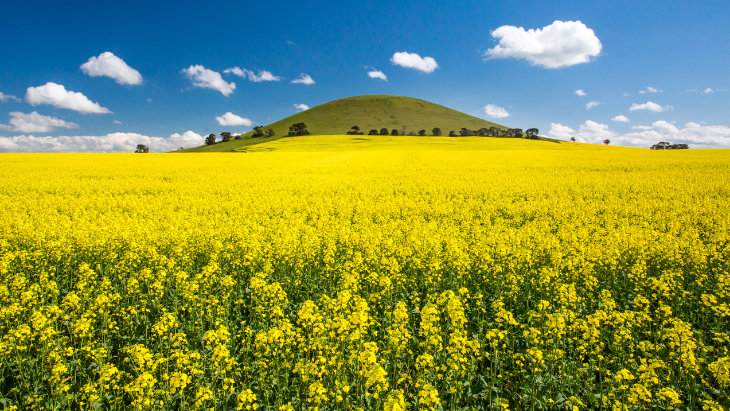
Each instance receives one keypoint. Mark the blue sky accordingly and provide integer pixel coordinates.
(679, 49)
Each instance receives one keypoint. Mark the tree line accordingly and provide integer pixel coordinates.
(664, 145)
(530, 133)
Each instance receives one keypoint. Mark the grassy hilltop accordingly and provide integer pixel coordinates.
(367, 112)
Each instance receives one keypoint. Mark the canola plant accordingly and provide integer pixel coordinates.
(407, 277)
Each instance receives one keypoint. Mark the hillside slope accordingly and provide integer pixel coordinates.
(366, 112)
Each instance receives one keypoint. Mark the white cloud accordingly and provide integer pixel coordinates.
(110, 143)
(708, 90)
(656, 108)
(206, 78)
(301, 107)
(303, 79)
(694, 134)
(560, 44)
(414, 61)
(6, 97)
(627, 94)
(580, 93)
(149, 100)
(592, 104)
(650, 90)
(377, 74)
(57, 96)
(117, 122)
(496, 111)
(109, 65)
(621, 119)
(262, 76)
(230, 119)
(35, 123)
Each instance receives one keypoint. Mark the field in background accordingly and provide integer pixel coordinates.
(334, 274)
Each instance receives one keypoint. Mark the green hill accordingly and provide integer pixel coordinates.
(366, 112)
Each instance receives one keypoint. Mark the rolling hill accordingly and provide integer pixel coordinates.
(366, 112)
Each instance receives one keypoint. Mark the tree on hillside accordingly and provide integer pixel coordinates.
(532, 133)
(403, 130)
(483, 132)
(237, 137)
(355, 130)
(493, 132)
(258, 131)
(270, 132)
(141, 148)
(298, 129)
(225, 136)
(572, 139)
(606, 141)
(210, 140)
(373, 132)
(394, 132)
(422, 133)
(452, 133)
(664, 145)
(436, 132)
(384, 131)
(464, 132)
(516, 132)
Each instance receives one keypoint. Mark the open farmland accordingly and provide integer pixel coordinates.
(336, 272)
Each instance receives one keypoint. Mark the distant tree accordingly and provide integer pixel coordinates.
(384, 131)
(225, 136)
(394, 132)
(270, 132)
(258, 131)
(210, 140)
(141, 148)
(298, 129)
(237, 137)
(606, 141)
(572, 139)
(436, 132)
(411, 133)
(664, 145)
(483, 132)
(354, 130)
(422, 133)
(464, 132)
(452, 133)
(532, 133)
(373, 132)
(403, 130)
(516, 132)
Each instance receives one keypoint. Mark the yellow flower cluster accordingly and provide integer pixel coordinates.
(402, 278)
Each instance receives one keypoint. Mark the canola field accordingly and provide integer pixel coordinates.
(337, 273)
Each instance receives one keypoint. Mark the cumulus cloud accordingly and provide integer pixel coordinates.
(558, 45)
(35, 123)
(109, 65)
(303, 79)
(621, 119)
(495, 111)
(110, 143)
(301, 107)
(230, 119)
(262, 76)
(7, 97)
(592, 104)
(656, 108)
(56, 95)
(580, 93)
(414, 61)
(650, 90)
(377, 74)
(694, 134)
(206, 78)
(708, 90)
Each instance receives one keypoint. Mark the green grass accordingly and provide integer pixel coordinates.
(366, 112)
